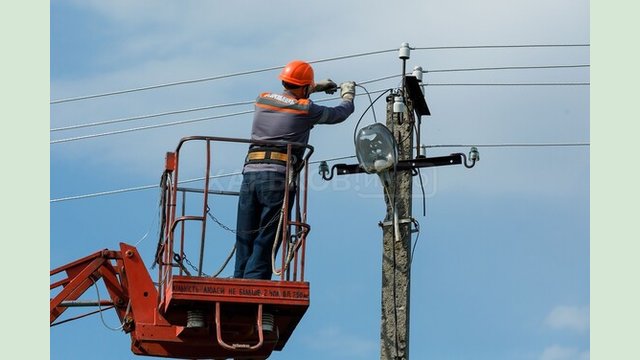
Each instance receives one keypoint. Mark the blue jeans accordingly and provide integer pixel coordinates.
(259, 205)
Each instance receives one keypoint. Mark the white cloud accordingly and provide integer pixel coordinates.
(557, 352)
(569, 318)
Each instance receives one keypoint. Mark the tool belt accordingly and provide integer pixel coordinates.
(265, 155)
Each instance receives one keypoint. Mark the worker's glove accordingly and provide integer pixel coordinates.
(328, 86)
(348, 90)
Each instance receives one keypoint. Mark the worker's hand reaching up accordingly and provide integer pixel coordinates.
(328, 86)
(348, 90)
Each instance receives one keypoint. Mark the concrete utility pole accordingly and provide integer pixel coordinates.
(373, 157)
(396, 258)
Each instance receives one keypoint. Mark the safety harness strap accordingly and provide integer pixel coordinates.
(266, 155)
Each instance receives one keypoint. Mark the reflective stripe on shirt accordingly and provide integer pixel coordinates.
(278, 102)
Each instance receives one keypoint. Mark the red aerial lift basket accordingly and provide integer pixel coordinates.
(195, 316)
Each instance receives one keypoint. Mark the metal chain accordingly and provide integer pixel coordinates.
(235, 231)
(184, 259)
(223, 226)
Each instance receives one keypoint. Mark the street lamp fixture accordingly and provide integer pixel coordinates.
(376, 149)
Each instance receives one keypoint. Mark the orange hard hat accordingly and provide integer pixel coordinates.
(298, 73)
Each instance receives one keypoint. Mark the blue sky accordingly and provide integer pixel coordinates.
(501, 269)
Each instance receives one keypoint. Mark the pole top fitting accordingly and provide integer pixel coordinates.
(405, 51)
(417, 72)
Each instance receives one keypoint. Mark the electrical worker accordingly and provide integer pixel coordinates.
(289, 117)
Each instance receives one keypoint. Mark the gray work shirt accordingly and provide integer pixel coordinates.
(282, 117)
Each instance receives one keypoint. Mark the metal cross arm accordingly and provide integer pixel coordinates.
(412, 164)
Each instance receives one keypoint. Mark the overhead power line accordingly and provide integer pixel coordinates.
(174, 112)
(249, 72)
(150, 127)
(141, 117)
(249, 102)
(499, 46)
(508, 68)
(103, 193)
(158, 86)
(137, 188)
(510, 145)
(182, 122)
(146, 187)
(183, 111)
(529, 67)
(511, 84)
(211, 78)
